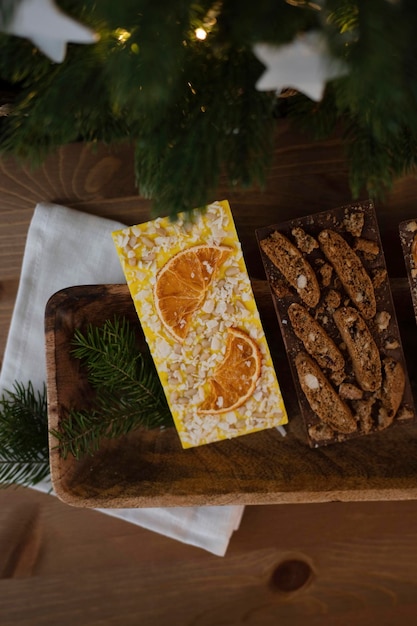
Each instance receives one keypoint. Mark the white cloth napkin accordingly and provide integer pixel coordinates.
(64, 248)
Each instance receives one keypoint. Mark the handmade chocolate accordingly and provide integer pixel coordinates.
(193, 296)
(408, 238)
(342, 340)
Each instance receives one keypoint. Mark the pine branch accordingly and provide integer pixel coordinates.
(191, 108)
(128, 392)
(24, 456)
(7, 9)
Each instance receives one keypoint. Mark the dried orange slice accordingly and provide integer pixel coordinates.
(234, 380)
(182, 283)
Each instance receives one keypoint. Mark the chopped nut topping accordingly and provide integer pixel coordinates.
(305, 242)
(332, 299)
(379, 276)
(383, 319)
(326, 272)
(311, 381)
(350, 391)
(414, 251)
(369, 248)
(391, 344)
(301, 281)
(354, 223)
(321, 432)
(411, 226)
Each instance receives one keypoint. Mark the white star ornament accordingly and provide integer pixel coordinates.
(47, 27)
(304, 65)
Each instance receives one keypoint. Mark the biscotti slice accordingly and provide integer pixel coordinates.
(322, 397)
(361, 346)
(315, 339)
(291, 263)
(392, 390)
(350, 270)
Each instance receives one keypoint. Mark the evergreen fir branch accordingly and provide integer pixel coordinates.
(370, 161)
(24, 454)
(7, 10)
(128, 392)
(191, 109)
(178, 161)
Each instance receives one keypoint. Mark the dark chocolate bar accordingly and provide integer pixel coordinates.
(331, 292)
(408, 238)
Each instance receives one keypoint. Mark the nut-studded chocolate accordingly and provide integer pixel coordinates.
(361, 346)
(350, 270)
(315, 339)
(291, 263)
(322, 397)
(355, 312)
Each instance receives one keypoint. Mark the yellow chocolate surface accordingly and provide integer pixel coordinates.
(185, 367)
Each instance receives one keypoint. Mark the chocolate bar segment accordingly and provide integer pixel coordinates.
(353, 316)
(408, 238)
(294, 267)
(193, 296)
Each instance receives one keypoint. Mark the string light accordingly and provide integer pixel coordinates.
(200, 33)
(122, 35)
(208, 22)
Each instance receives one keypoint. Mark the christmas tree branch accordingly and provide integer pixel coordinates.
(24, 457)
(128, 392)
(128, 395)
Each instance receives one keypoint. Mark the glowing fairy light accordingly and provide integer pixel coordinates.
(208, 22)
(122, 35)
(200, 33)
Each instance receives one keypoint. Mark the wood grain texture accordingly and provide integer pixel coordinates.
(149, 468)
(95, 569)
(20, 540)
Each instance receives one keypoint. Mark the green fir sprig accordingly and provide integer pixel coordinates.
(24, 455)
(127, 395)
(191, 109)
(127, 391)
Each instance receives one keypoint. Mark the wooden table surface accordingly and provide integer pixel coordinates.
(332, 563)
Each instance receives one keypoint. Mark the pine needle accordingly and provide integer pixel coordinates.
(24, 457)
(128, 392)
(128, 395)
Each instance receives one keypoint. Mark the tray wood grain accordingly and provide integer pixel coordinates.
(150, 468)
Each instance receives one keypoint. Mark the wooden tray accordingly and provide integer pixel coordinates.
(150, 468)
